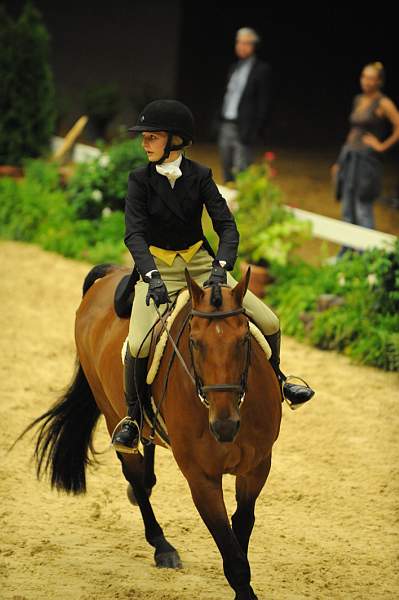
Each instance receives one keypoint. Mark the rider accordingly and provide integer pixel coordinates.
(164, 205)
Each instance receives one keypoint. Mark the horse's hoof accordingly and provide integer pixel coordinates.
(168, 560)
(132, 497)
(250, 595)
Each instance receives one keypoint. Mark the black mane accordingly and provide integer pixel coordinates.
(216, 296)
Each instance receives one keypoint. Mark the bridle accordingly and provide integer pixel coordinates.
(202, 389)
(240, 388)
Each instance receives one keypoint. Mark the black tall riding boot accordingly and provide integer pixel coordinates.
(295, 394)
(127, 434)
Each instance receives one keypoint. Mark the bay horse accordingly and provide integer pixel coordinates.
(212, 429)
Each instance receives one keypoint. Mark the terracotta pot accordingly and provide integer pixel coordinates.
(260, 277)
(11, 171)
(65, 172)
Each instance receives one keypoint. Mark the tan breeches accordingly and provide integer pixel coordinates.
(143, 317)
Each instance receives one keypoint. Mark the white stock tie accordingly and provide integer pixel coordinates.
(170, 170)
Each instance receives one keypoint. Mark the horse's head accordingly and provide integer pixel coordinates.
(220, 346)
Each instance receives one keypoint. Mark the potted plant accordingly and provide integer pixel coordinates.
(269, 231)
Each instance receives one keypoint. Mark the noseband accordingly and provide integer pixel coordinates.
(221, 387)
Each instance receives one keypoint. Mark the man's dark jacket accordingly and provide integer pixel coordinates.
(254, 103)
(157, 215)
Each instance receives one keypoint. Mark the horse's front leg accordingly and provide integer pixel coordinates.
(165, 554)
(208, 498)
(149, 478)
(248, 489)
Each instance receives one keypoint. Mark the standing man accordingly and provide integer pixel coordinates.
(245, 105)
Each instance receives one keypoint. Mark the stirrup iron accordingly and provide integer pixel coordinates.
(290, 404)
(123, 448)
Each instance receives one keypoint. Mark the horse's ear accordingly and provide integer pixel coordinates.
(196, 292)
(240, 289)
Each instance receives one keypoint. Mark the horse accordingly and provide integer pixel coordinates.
(218, 396)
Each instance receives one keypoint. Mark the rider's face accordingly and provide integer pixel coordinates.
(154, 143)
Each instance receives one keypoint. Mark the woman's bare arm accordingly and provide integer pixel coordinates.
(392, 114)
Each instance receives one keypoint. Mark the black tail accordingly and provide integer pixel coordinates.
(96, 273)
(65, 435)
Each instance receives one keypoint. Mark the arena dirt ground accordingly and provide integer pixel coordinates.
(327, 521)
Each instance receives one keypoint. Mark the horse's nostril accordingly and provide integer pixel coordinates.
(225, 430)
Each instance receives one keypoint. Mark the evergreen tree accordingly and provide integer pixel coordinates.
(27, 98)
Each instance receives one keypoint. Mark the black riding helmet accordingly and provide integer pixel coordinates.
(171, 116)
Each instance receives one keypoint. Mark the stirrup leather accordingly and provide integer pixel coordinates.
(288, 401)
(123, 448)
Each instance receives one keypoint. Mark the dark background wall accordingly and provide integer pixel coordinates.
(316, 59)
(131, 43)
(179, 48)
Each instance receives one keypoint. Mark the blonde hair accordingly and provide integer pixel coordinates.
(177, 140)
(379, 67)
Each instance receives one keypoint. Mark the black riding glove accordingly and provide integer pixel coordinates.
(156, 290)
(218, 276)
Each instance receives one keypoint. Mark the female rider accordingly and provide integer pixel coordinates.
(164, 206)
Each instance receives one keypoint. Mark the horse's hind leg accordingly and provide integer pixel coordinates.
(248, 489)
(165, 554)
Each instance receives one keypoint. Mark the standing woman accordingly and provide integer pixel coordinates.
(164, 205)
(358, 170)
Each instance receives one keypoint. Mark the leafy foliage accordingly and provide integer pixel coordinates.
(269, 231)
(365, 326)
(102, 183)
(37, 210)
(27, 99)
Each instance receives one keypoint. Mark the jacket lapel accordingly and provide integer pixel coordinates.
(174, 199)
(184, 186)
(251, 76)
(162, 187)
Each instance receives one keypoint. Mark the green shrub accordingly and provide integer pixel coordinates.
(27, 205)
(85, 221)
(37, 210)
(269, 232)
(365, 326)
(102, 183)
(27, 99)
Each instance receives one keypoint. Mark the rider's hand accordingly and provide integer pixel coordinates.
(156, 290)
(218, 275)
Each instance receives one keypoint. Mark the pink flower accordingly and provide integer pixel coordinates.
(269, 156)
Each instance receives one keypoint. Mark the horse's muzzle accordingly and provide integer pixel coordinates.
(225, 430)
